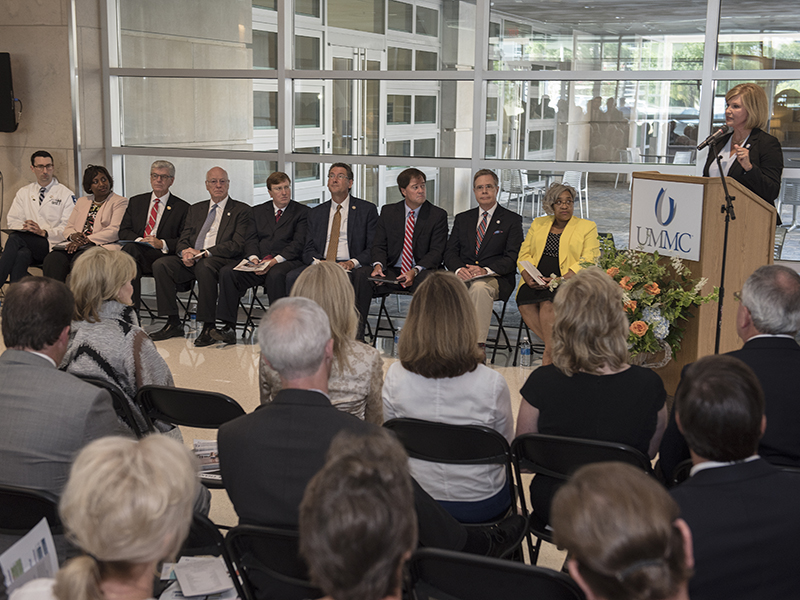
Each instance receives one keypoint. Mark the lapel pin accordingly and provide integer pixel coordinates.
(169, 208)
(227, 214)
(498, 221)
(353, 207)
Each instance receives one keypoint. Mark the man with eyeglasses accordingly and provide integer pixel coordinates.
(341, 229)
(38, 216)
(213, 236)
(482, 249)
(154, 221)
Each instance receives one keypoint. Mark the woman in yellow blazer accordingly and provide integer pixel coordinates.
(556, 244)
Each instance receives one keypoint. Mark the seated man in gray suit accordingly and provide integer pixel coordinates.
(47, 415)
(741, 509)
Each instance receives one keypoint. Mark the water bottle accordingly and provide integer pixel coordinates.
(525, 353)
(193, 316)
(396, 343)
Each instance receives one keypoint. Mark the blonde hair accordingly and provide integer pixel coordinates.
(590, 330)
(126, 503)
(439, 338)
(552, 194)
(755, 103)
(328, 285)
(97, 276)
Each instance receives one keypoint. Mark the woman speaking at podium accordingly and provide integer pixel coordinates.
(750, 155)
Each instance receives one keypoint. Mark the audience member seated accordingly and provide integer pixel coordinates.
(106, 341)
(556, 245)
(48, 415)
(128, 507)
(94, 222)
(357, 521)
(590, 391)
(357, 370)
(623, 534)
(742, 510)
(441, 377)
(768, 320)
(268, 457)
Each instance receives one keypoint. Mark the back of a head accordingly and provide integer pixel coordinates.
(126, 503)
(293, 335)
(97, 276)
(772, 295)
(328, 285)
(436, 340)
(619, 525)
(35, 312)
(590, 328)
(720, 407)
(357, 519)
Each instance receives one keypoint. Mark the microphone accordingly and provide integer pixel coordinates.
(712, 139)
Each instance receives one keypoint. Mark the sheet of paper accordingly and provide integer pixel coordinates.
(31, 557)
(247, 266)
(203, 577)
(533, 272)
(173, 592)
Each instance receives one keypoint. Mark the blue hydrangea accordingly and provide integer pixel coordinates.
(661, 329)
(651, 314)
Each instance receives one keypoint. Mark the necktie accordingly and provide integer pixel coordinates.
(481, 233)
(278, 215)
(407, 258)
(151, 222)
(333, 243)
(41, 195)
(201, 237)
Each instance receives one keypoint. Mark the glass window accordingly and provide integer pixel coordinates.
(268, 4)
(265, 50)
(307, 109)
(306, 53)
(491, 145)
(770, 39)
(360, 15)
(425, 109)
(425, 148)
(306, 171)
(398, 148)
(401, 16)
(261, 170)
(427, 21)
(309, 8)
(398, 109)
(398, 59)
(491, 109)
(265, 110)
(427, 61)
(534, 141)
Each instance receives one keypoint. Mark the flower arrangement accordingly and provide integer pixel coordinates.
(657, 296)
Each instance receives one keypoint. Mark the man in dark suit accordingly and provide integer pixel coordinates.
(341, 229)
(485, 241)
(214, 235)
(155, 220)
(768, 320)
(268, 457)
(742, 510)
(277, 248)
(409, 242)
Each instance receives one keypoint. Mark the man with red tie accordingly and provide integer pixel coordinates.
(409, 242)
(155, 221)
(482, 249)
(276, 248)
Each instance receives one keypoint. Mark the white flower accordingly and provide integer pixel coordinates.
(700, 284)
(677, 263)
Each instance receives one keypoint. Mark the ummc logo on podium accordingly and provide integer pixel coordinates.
(666, 216)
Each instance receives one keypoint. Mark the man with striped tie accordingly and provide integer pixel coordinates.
(154, 220)
(482, 249)
(409, 242)
(38, 216)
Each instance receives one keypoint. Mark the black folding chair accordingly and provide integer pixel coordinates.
(249, 320)
(383, 311)
(269, 563)
(121, 405)
(22, 508)
(559, 457)
(440, 574)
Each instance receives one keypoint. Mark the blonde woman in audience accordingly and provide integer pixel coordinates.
(623, 534)
(105, 340)
(357, 371)
(441, 377)
(128, 507)
(590, 391)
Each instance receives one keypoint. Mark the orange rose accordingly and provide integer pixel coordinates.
(631, 306)
(652, 289)
(625, 283)
(639, 328)
(613, 271)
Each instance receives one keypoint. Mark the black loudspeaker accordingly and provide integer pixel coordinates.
(8, 116)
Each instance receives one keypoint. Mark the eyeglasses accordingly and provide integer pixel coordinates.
(563, 202)
(339, 176)
(43, 167)
(216, 181)
(157, 177)
(488, 187)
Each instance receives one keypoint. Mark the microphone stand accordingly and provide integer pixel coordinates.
(730, 215)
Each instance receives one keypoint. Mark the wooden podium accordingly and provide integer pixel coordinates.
(750, 245)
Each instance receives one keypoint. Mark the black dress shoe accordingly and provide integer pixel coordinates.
(204, 339)
(170, 330)
(227, 335)
(506, 535)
